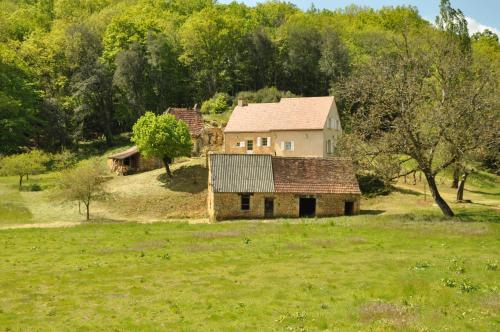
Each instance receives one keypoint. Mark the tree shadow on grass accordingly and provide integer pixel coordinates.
(192, 179)
(483, 192)
(407, 191)
(489, 215)
(371, 212)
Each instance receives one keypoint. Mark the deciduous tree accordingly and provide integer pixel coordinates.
(426, 103)
(162, 137)
(83, 183)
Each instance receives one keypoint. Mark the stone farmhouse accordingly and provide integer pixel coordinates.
(266, 186)
(293, 127)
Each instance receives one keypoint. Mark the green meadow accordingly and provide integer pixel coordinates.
(342, 274)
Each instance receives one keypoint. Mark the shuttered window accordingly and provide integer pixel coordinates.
(288, 146)
(263, 141)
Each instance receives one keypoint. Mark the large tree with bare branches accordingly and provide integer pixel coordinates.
(423, 102)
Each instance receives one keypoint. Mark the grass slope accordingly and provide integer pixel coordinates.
(148, 196)
(342, 274)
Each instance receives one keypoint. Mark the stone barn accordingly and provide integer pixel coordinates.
(192, 117)
(265, 186)
(130, 161)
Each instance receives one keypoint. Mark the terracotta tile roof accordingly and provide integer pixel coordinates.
(192, 117)
(314, 175)
(125, 154)
(265, 173)
(288, 114)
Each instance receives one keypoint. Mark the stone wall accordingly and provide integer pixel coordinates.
(223, 206)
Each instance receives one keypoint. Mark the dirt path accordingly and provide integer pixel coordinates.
(58, 224)
(54, 224)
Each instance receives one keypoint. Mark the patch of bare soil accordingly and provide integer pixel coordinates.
(393, 314)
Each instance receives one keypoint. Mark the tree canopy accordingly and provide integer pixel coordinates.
(163, 137)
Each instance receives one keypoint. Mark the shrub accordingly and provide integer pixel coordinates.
(373, 185)
(35, 187)
(219, 103)
(61, 161)
(264, 95)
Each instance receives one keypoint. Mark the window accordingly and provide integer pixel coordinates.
(288, 146)
(245, 202)
(264, 141)
(249, 145)
(329, 146)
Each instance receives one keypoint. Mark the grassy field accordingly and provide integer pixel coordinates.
(343, 274)
(398, 266)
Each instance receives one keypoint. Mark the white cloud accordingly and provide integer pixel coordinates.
(475, 26)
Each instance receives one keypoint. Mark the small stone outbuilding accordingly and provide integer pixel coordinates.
(130, 161)
(265, 186)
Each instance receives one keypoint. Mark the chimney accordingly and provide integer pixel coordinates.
(242, 103)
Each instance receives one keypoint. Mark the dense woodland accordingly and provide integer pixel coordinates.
(408, 90)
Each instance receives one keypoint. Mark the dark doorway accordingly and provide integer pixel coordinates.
(349, 208)
(268, 207)
(307, 207)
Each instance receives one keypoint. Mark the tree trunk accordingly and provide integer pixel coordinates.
(460, 191)
(87, 205)
(167, 161)
(20, 182)
(456, 175)
(445, 208)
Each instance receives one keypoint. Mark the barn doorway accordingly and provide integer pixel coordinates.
(349, 208)
(268, 207)
(307, 207)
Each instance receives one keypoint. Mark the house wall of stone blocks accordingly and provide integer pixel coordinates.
(224, 206)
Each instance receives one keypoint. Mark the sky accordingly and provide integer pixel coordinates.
(480, 14)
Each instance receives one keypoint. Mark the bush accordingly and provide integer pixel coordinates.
(219, 103)
(35, 187)
(373, 185)
(264, 95)
(61, 161)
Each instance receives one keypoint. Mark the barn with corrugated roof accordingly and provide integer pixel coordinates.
(265, 186)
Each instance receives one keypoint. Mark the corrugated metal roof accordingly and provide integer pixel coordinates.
(241, 173)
